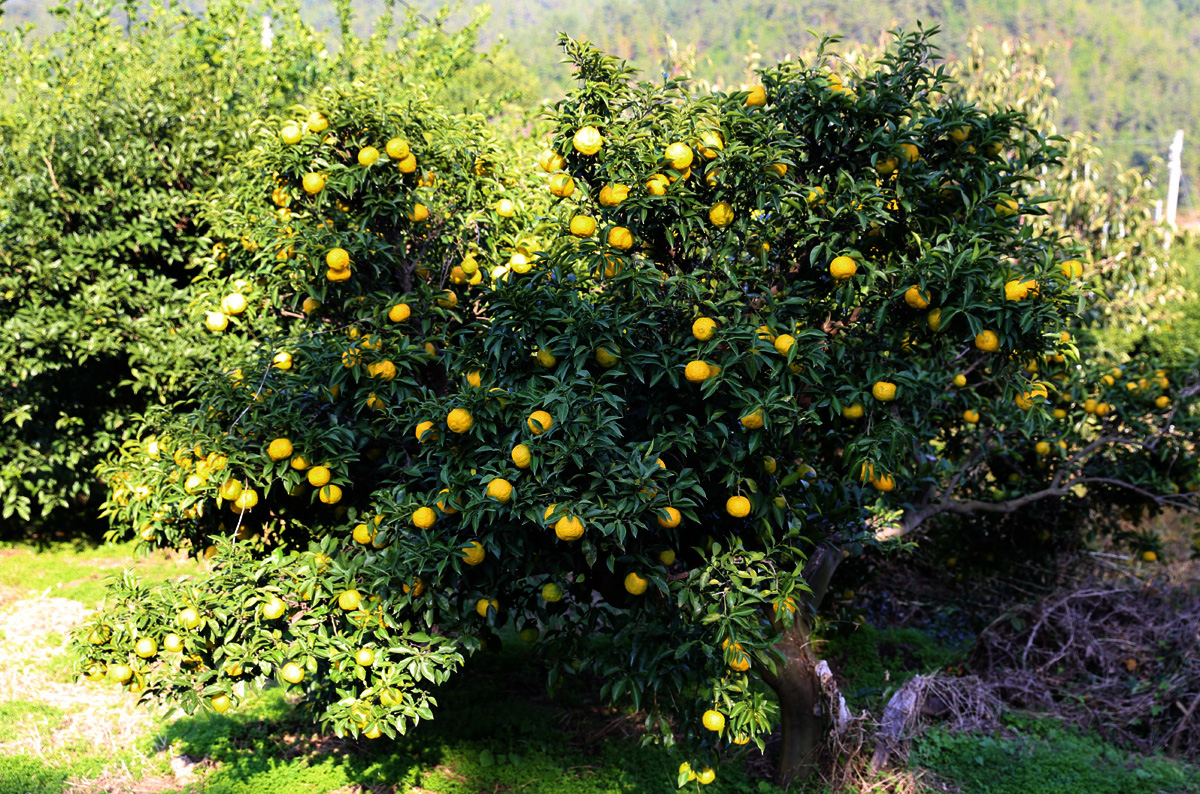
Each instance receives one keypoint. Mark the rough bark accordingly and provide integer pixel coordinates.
(797, 683)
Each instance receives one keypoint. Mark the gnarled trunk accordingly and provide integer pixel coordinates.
(797, 683)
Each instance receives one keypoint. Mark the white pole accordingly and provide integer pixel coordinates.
(1175, 166)
(268, 35)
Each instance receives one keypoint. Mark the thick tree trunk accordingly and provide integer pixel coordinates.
(797, 684)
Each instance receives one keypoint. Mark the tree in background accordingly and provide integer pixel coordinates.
(638, 408)
(111, 133)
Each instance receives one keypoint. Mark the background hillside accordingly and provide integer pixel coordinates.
(1126, 70)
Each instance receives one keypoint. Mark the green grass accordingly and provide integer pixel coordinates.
(78, 571)
(1042, 756)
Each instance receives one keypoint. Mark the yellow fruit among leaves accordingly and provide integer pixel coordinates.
(521, 456)
(696, 371)
(424, 517)
(713, 720)
(915, 298)
(568, 528)
(737, 506)
(704, 329)
(279, 449)
(473, 553)
(539, 422)
(459, 420)
(721, 214)
(500, 489)
(884, 391)
(987, 341)
(587, 140)
(635, 585)
(842, 268)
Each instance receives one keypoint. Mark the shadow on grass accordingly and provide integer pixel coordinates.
(495, 730)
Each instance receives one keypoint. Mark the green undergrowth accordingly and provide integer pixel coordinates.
(1043, 756)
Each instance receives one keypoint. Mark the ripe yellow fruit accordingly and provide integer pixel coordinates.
(853, 411)
(635, 585)
(721, 214)
(667, 557)
(696, 371)
(189, 618)
(246, 500)
(552, 592)
(971, 416)
(934, 320)
(424, 432)
(459, 420)
(704, 329)
(349, 600)
(1006, 208)
(550, 160)
(815, 195)
(883, 482)
(657, 185)
(562, 185)
(313, 183)
(500, 489)
(292, 673)
(364, 534)
(739, 660)
(1042, 448)
(221, 703)
(987, 341)
(784, 343)
(612, 195)
(959, 134)
(172, 643)
(338, 276)
(1072, 268)
(233, 304)
(505, 208)
(884, 391)
(407, 164)
(910, 151)
(711, 142)
(606, 358)
(545, 358)
(753, 420)
(842, 268)
(587, 140)
(337, 259)
(473, 553)
(365, 657)
(291, 133)
(679, 155)
(484, 604)
(713, 720)
(279, 449)
(539, 422)
(886, 165)
(282, 360)
(620, 238)
(423, 517)
(367, 156)
(960, 380)
(1017, 290)
(915, 298)
(318, 476)
(1162, 401)
(672, 520)
(1149, 556)
(419, 213)
(568, 528)
(757, 97)
(583, 226)
(706, 776)
(330, 494)
(145, 647)
(216, 321)
(521, 456)
(737, 506)
(317, 122)
(397, 148)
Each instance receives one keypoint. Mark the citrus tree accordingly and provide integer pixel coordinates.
(635, 403)
(110, 131)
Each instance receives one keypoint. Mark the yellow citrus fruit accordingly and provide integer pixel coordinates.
(521, 456)
(1006, 208)
(753, 420)
(246, 500)
(338, 276)
(505, 208)
(884, 482)
(657, 185)
(915, 298)
(568, 528)
(706, 776)
(313, 183)
(959, 134)
(279, 449)
(459, 420)
(552, 592)
(189, 618)
(884, 391)
(473, 553)
(419, 213)
(337, 259)
(757, 97)
(1162, 401)
(784, 343)
(1149, 556)
(704, 329)
(562, 185)
(971, 416)
(713, 720)
(233, 304)
(365, 657)
(960, 380)
(886, 165)
(620, 238)
(407, 164)
(612, 195)
(583, 226)
(853, 411)
(221, 703)
(367, 155)
(291, 133)
(539, 422)
(635, 585)
(545, 358)
(1072, 268)
(500, 489)
(934, 320)
(842, 268)
(216, 321)
(363, 534)
(425, 432)
(145, 647)
(721, 214)
(423, 517)
(679, 155)
(550, 160)
(397, 148)
(330, 494)
(292, 673)
(711, 142)
(587, 140)
(697, 371)
(910, 151)
(318, 476)
(673, 517)
(737, 506)
(606, 358)
(484, 604)
(667, 557)
(987, 341)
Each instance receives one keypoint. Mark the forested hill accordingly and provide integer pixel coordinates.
(1128, 70)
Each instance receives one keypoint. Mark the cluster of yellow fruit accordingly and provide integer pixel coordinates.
(232, 305)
